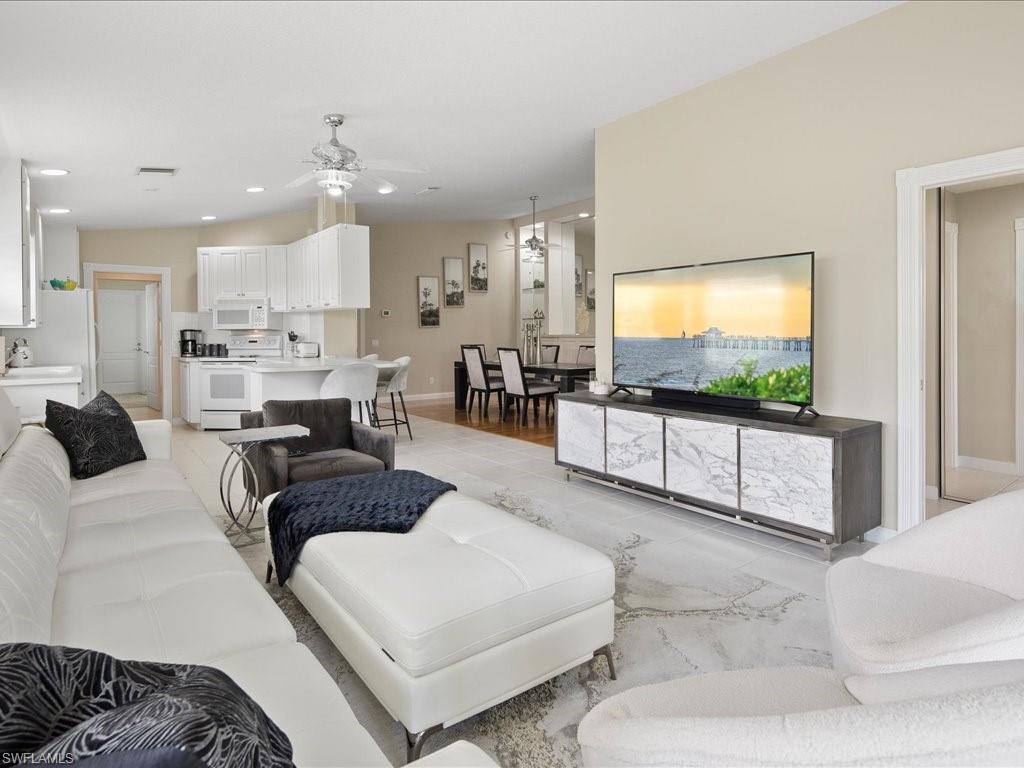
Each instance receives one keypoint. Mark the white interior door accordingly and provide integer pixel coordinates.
(120, 343)
(151, 345)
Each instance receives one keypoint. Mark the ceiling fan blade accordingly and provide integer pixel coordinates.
(382, 185)
(393, 166)
(304, 178)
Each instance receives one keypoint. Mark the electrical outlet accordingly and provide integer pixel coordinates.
(375, 343)
(433, 380)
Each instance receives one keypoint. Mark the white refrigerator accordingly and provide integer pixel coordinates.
(65, 335)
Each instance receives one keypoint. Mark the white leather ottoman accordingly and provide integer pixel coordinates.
(468, 609)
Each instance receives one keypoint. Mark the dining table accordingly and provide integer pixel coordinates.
(565, 374)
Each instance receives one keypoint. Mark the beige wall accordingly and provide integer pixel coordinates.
(986, 321)
(399, 251)
(800, 152)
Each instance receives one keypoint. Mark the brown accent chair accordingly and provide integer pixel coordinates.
(335, 445)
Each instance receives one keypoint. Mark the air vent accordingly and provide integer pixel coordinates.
(154, 171)
(428, 190)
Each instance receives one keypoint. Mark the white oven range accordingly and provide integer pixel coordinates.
(225, 383)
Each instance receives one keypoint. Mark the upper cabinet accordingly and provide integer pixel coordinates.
(20, 247)
(327, 270)
(277, 277)
(252, 273)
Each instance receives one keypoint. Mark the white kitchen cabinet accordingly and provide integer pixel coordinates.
(328, 266)
(327, 270)
(204, 280)
(634, 446)
(252, 273)
(303, 276)
(277, 277)
(20, 248)
(226, 265)
(787, 476)
(294, 275)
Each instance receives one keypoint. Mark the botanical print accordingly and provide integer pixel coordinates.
(427, 295)
(454, 282)
(477, 267)
(590, 290)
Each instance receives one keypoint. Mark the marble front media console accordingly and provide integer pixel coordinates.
(817, 479)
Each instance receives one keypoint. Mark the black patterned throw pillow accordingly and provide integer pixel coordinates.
(98, 437)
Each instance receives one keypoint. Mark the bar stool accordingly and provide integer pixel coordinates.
(357, 382)
(397, 384)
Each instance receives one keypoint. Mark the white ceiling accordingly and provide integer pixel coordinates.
(498, 99)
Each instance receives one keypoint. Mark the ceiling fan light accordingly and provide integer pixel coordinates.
(334, 191)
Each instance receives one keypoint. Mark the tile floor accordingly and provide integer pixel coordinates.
(693, 593)
(476, 461)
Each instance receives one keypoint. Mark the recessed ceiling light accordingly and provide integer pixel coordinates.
(386, 188)
(59, 210)
(209, 218)
(54, 172)
(584, 215)
(255, 189)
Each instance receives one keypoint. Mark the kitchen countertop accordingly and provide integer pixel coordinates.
(36, 375)
(301, 364)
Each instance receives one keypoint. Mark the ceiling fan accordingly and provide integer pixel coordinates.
(534, 246)
(339, 166)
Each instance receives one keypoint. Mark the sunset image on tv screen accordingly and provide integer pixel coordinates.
(737, 328)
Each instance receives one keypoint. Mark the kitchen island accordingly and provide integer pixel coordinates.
(246, 385)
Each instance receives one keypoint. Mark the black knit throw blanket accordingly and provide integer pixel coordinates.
(61, 705)
(378, 502)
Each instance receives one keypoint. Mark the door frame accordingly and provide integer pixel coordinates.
(90, 270)
(949, 387)
(911, 185)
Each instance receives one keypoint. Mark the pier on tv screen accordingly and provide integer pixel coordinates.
(737, 328)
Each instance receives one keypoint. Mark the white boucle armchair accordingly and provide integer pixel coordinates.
(948, 591)
(810, 716)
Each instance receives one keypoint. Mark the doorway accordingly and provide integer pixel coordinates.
(974, 247)
(128, 339)
(133, 360)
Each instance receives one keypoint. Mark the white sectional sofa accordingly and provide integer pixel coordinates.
(129, 563)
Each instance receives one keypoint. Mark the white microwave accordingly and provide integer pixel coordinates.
(245, 315)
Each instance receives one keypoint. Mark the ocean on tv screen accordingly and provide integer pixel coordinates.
(766, 368)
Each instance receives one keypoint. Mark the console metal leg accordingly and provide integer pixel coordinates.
(270, 570)
(606, 651)
(414, 741)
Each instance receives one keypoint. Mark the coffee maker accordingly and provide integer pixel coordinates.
(189, 342)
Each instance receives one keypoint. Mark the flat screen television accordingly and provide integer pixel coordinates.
(730, 333)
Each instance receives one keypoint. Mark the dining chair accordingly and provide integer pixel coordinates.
(549, 352)
(370, 358)
(397, 385)
(521, 389)
(585, 355)
(481, 383)
(357, 382)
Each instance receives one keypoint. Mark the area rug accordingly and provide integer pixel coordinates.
(680, 609)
